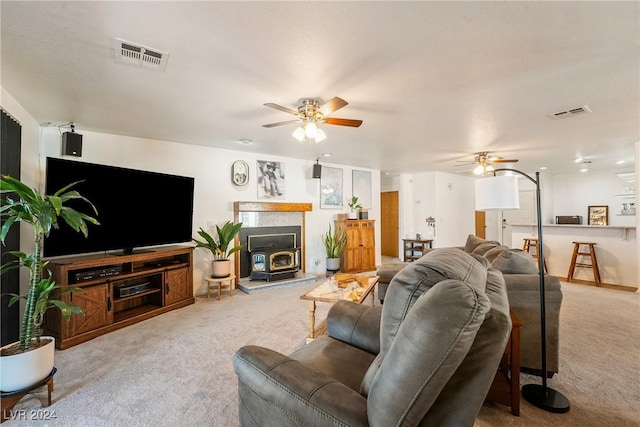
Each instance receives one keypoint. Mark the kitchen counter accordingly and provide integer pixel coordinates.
(616, 249)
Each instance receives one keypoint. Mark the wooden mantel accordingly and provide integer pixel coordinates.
(271, 207)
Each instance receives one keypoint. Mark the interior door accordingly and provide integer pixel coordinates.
(389, 227)
(481, 224)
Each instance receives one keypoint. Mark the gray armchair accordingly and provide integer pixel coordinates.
(427, 358)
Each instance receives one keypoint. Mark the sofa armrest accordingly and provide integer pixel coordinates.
(355, 324)
(530, 282)
(277, 390)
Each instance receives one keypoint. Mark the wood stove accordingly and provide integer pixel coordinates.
(273, 256)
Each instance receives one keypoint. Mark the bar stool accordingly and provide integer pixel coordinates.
(532, 242)
(591, 254)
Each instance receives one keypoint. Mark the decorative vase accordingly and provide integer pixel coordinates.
(23, 370)
(333, 264)
(220, 268)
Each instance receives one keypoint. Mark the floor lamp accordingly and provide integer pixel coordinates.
(501, 193)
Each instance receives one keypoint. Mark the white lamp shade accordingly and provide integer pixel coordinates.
(299, 134)
(310, 130)
(497, 193)
(320, 136)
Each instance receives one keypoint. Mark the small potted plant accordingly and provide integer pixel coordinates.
(355, 208)
(30, 360)
(219, 247)
(334, 244)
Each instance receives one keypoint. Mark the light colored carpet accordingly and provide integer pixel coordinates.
(176, 369)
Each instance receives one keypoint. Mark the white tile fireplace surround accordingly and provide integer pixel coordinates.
(269, 215)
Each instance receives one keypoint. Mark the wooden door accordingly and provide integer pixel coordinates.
(96, 305)
(177, 285)
(481, 224)
(389, 227)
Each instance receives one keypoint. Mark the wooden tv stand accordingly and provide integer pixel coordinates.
(119, 290)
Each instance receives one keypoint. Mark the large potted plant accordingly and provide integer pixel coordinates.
(354, 207)
(30, 360)
(335, 242)
(219, 247)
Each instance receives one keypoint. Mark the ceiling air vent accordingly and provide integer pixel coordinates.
(141, 56)
(570, 113)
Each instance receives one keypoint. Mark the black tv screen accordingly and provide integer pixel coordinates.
(135, 208)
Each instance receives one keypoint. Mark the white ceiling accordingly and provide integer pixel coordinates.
(433, 82)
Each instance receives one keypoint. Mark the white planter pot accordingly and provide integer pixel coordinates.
(352, 215)
(333, 264)
(221, 268)
(25, 369)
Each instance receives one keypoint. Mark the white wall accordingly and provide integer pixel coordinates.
(211, 168)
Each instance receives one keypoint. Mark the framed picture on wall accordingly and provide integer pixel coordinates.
(361, 187)
(598, 215)
(331, 193)
(270, 180)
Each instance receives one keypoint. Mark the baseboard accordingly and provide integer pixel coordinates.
(625, 288)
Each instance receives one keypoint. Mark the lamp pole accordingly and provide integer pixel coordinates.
(538, 395)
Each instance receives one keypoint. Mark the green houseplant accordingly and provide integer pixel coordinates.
(219, 247)
(335, 242)
(20, 203)
(354, 206)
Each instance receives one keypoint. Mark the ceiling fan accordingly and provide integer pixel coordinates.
(484, 162)
(310, 114)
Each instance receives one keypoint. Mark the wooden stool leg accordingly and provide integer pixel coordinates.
(594, 263)
(572, 267)
(219, 289)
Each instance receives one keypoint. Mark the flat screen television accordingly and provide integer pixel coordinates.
(135, 208)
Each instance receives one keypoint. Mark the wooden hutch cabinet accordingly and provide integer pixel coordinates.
(115, 291)
(360, 252)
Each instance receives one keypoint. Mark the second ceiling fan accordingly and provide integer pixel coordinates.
(484, 162)
(310, 114)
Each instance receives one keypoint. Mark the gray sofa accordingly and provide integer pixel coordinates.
(428, 357)
(520, 273)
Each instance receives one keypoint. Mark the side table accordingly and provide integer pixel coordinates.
(415, 248)
(9, 399)
(221, 282)
(505, 388)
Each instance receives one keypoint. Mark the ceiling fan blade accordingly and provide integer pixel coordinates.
(332, 105)
(342, 122)
(464, 164)
(288, 122)
(281, 108)
(504, 161)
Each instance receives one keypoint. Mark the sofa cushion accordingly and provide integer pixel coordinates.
(515, 261)
(418, 277)
(492, 253)
(483, 248)
(430, 345)
(472, 242)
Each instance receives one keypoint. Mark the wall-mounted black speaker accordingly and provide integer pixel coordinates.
(317, 170)
(71, 144)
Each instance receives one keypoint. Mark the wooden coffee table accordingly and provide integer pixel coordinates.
(330, 292)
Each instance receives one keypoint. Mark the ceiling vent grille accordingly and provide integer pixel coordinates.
(571, 113)
(139, 55)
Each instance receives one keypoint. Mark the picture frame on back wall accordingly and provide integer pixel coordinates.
(271, 183)
(331, 193)
(598, 215)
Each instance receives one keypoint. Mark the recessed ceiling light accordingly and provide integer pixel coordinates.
(327, 154)
(620, 162)
(543, 168)
(584, 170)
(578, 160)
(245, 141)
(387, 173)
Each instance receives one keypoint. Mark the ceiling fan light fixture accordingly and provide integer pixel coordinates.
(488, 168)
(311, 130)
(478, 170)
(320, 136)
(299, 134)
